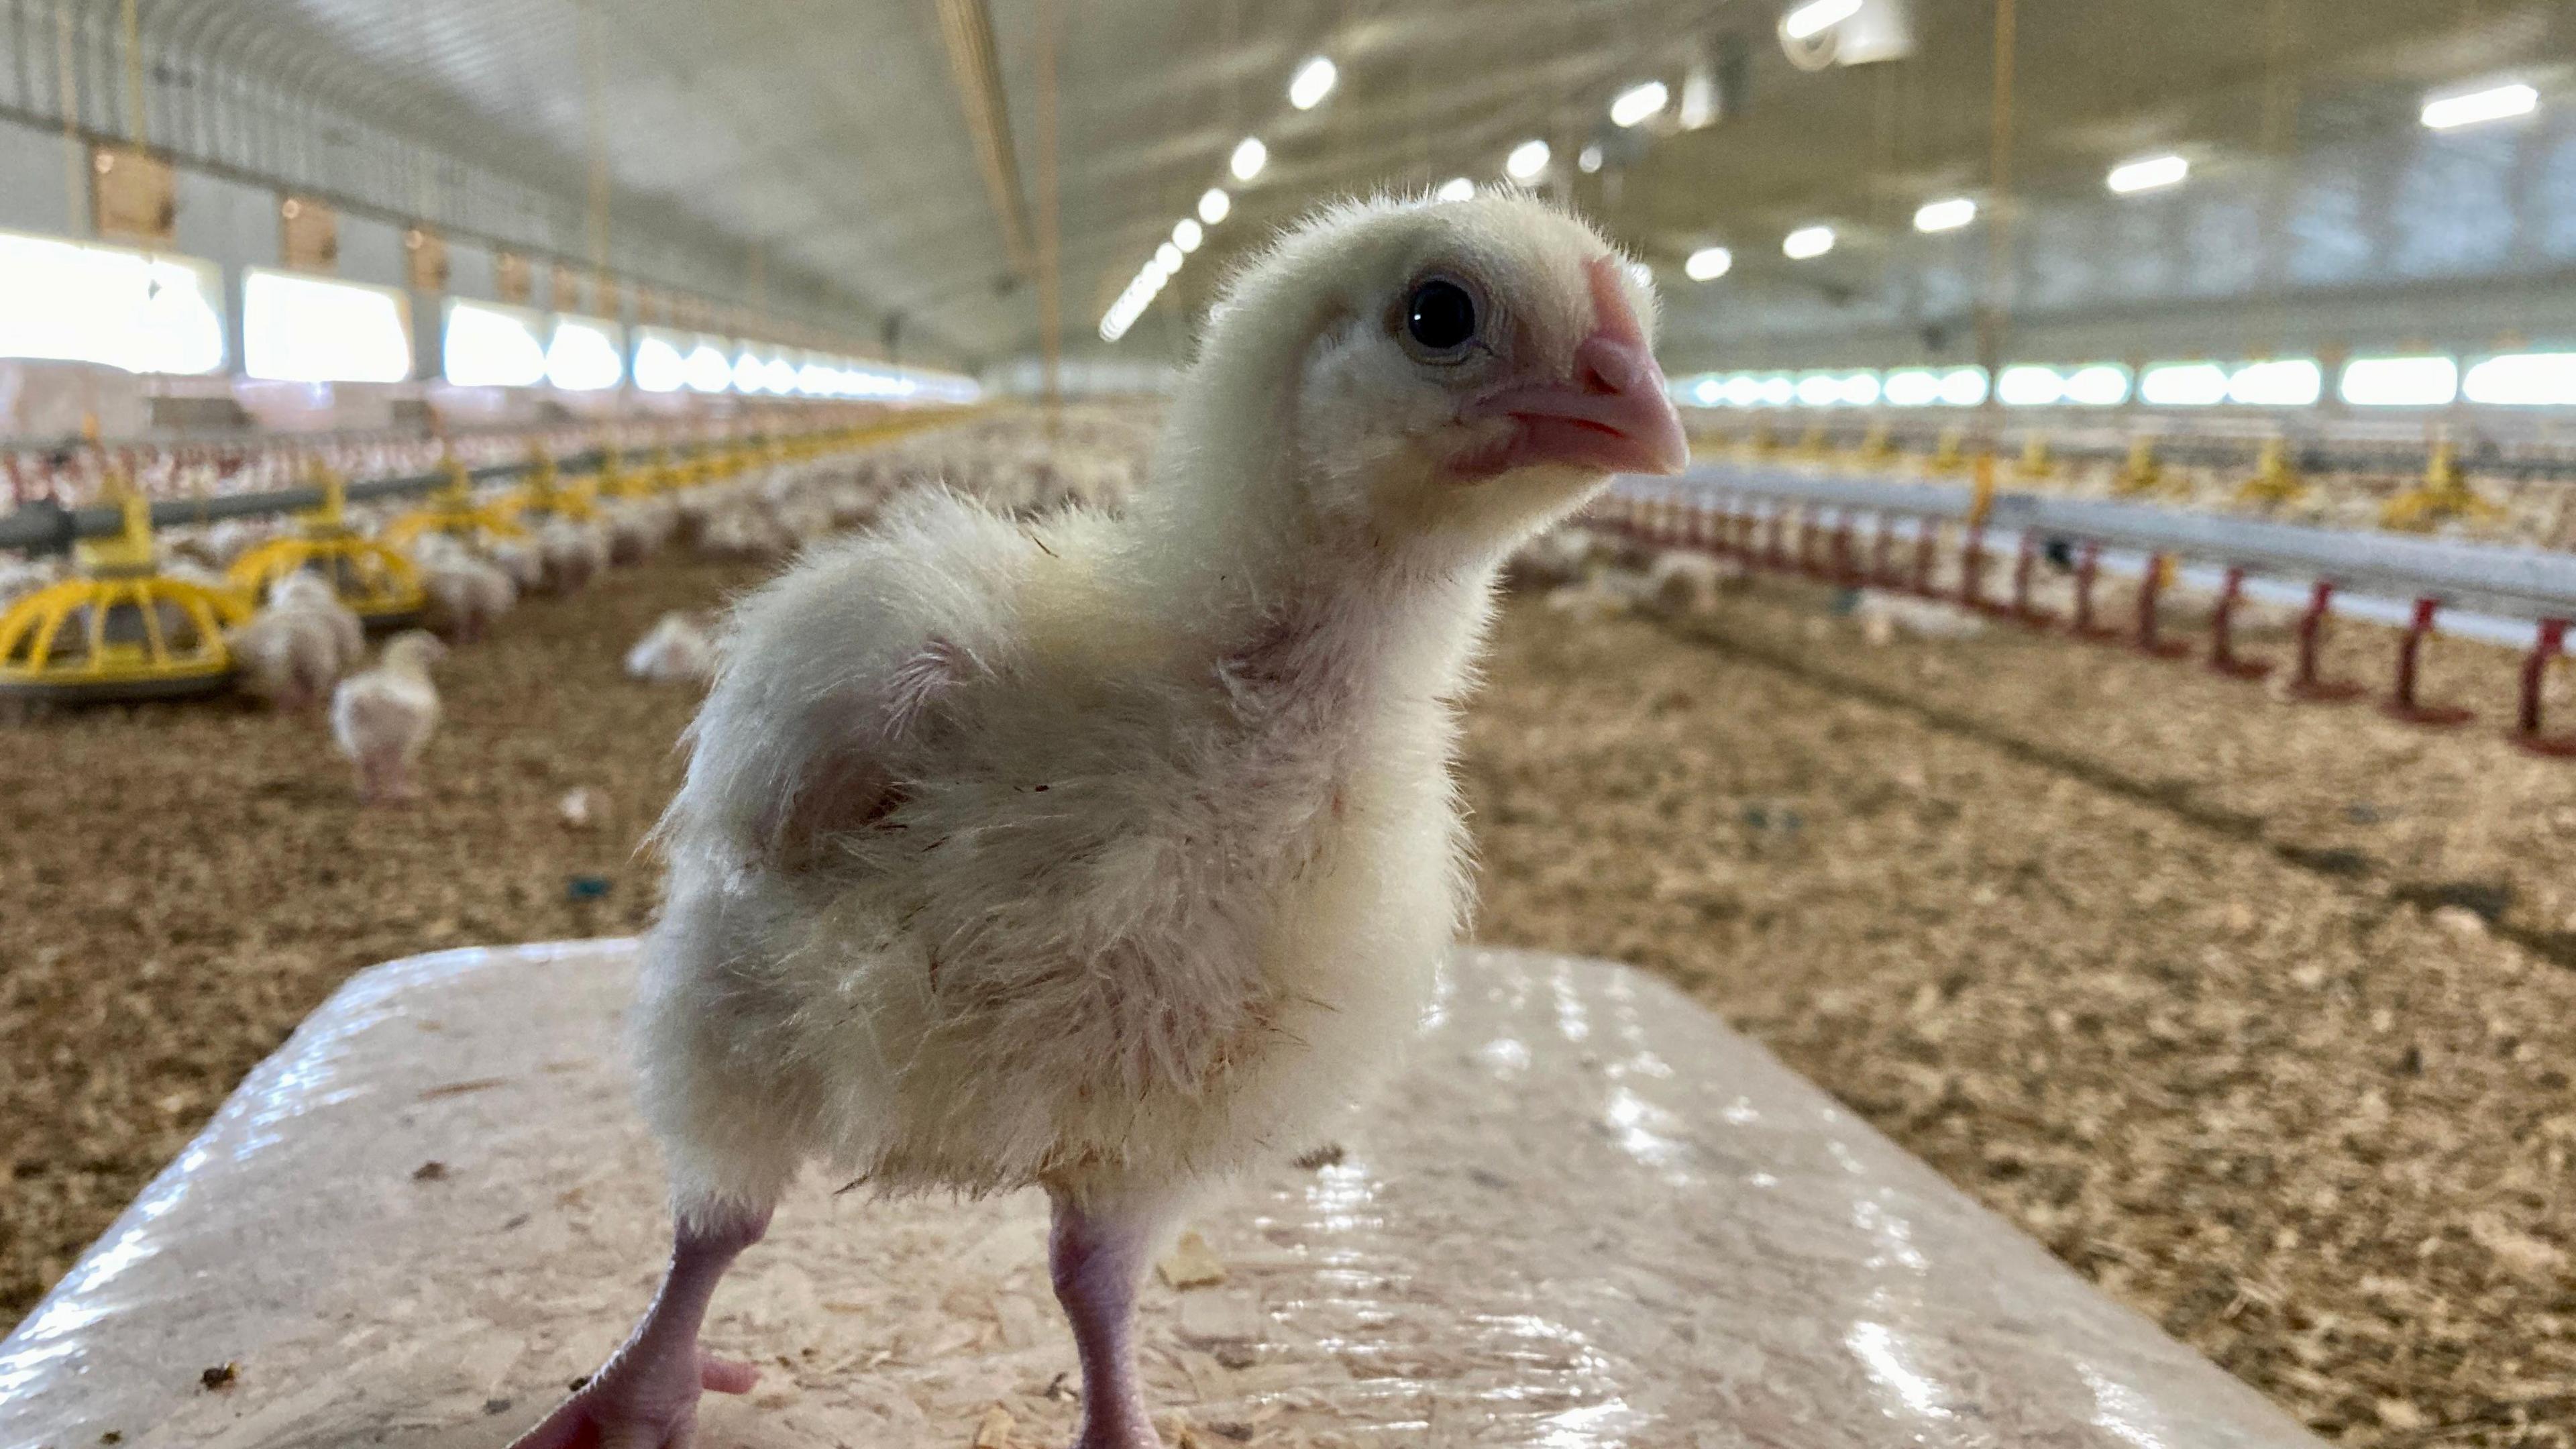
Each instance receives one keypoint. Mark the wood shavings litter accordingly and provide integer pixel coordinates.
(1190, 1264)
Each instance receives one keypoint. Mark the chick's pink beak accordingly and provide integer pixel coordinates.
(1611, 416)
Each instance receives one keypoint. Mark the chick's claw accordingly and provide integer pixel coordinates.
(637, 1403)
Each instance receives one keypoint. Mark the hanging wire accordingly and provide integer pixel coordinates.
(1994, 311)
(1049, 248)
(134, 121)
(75, 157)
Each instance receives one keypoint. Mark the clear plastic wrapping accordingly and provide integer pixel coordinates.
(1587, 1216)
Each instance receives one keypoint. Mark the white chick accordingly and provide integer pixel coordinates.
(310, 593)
(1114, 854)
(521, 560)
(573, 553)
(680, 649)
(466, 594)
(383, 718)
(288, 658)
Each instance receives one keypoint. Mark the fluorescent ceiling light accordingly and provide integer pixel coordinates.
(2473, 108)
(1707, 391)
(2183, 385)
(1248, 159)
(1187, 235)
(2287, 383)
(491, 346)
(586, 355)
(708, 370)
(1858, 389)
(1912, 387)
(658, 367)
(2400, 382)
(1456, 188)
(1527, 160)
(2100, 385)
(2147, 173)
(1708, 264)
(1807, 242)
(304, 329)
(1168, 257)
(1639, 103)
(1948, 214)
(1313, 81)
(2028, 386)
(2523, 379)
(1963, 387)
(1588, 160)
(1214, 204)
(1816, 17)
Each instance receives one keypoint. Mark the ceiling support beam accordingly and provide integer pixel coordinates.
(966, 30)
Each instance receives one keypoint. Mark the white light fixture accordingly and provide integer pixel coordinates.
(707, 369)
(2474, 108)
(1588, 160)
(1807, 243)
(1313, 81)
(1456, 188)
(118, 308)
(749, 372)
(2183, 385)
(1527, 160)
(2286, 383)
(305, 329)
(1777, 391)
(1168, 257)
(779, 376)
(1858, 389)
(1707, 392)
(484, 345)
(1248, 159)
(2523, 379)
(1708, 264)
(1963, 387)
(2147, 173)
(1187, 235)
(2028, 386)
(1214, 204)
(1639, 104)
(2400, 382)
(2099, 385)
(587, 354)
(1947, 214)
(1819, 390)
(658, 367)
(1816, 17)
(1912, 387)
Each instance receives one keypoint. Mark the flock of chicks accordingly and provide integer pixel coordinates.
(304, 651)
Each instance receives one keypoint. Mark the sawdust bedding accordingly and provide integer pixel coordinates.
(2250, 1012)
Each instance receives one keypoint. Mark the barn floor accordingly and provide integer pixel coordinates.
(2260, 1016)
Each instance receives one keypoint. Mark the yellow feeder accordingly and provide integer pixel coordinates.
(120, 631)
(2276, 482)
(545, 492)
(2035, 462)
(616, 480)
(2442, 496)
(376, 580)
(453, 511)
(1949, 455)
(2140, 472)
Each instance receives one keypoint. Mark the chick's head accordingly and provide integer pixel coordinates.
(1473, 368)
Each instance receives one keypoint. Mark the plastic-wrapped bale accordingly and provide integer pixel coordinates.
(1587, 1213)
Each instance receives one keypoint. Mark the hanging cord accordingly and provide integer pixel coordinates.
(1995, 311)
(67, 93)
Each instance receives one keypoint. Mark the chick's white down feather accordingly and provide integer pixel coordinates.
(382, 718)
(1106, 852)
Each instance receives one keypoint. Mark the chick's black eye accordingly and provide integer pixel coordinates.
(1440, 316)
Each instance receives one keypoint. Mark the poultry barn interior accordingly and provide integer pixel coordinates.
(613, 616)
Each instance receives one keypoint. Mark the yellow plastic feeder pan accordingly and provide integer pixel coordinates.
(376, 580)
(545, 493)
(453, 511)
(119, 631)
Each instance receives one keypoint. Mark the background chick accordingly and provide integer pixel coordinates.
(383, 718)
(680, 648)
(1114, 854)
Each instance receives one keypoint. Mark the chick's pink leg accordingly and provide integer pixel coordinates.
(1097, 1259)
(646, 1397)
